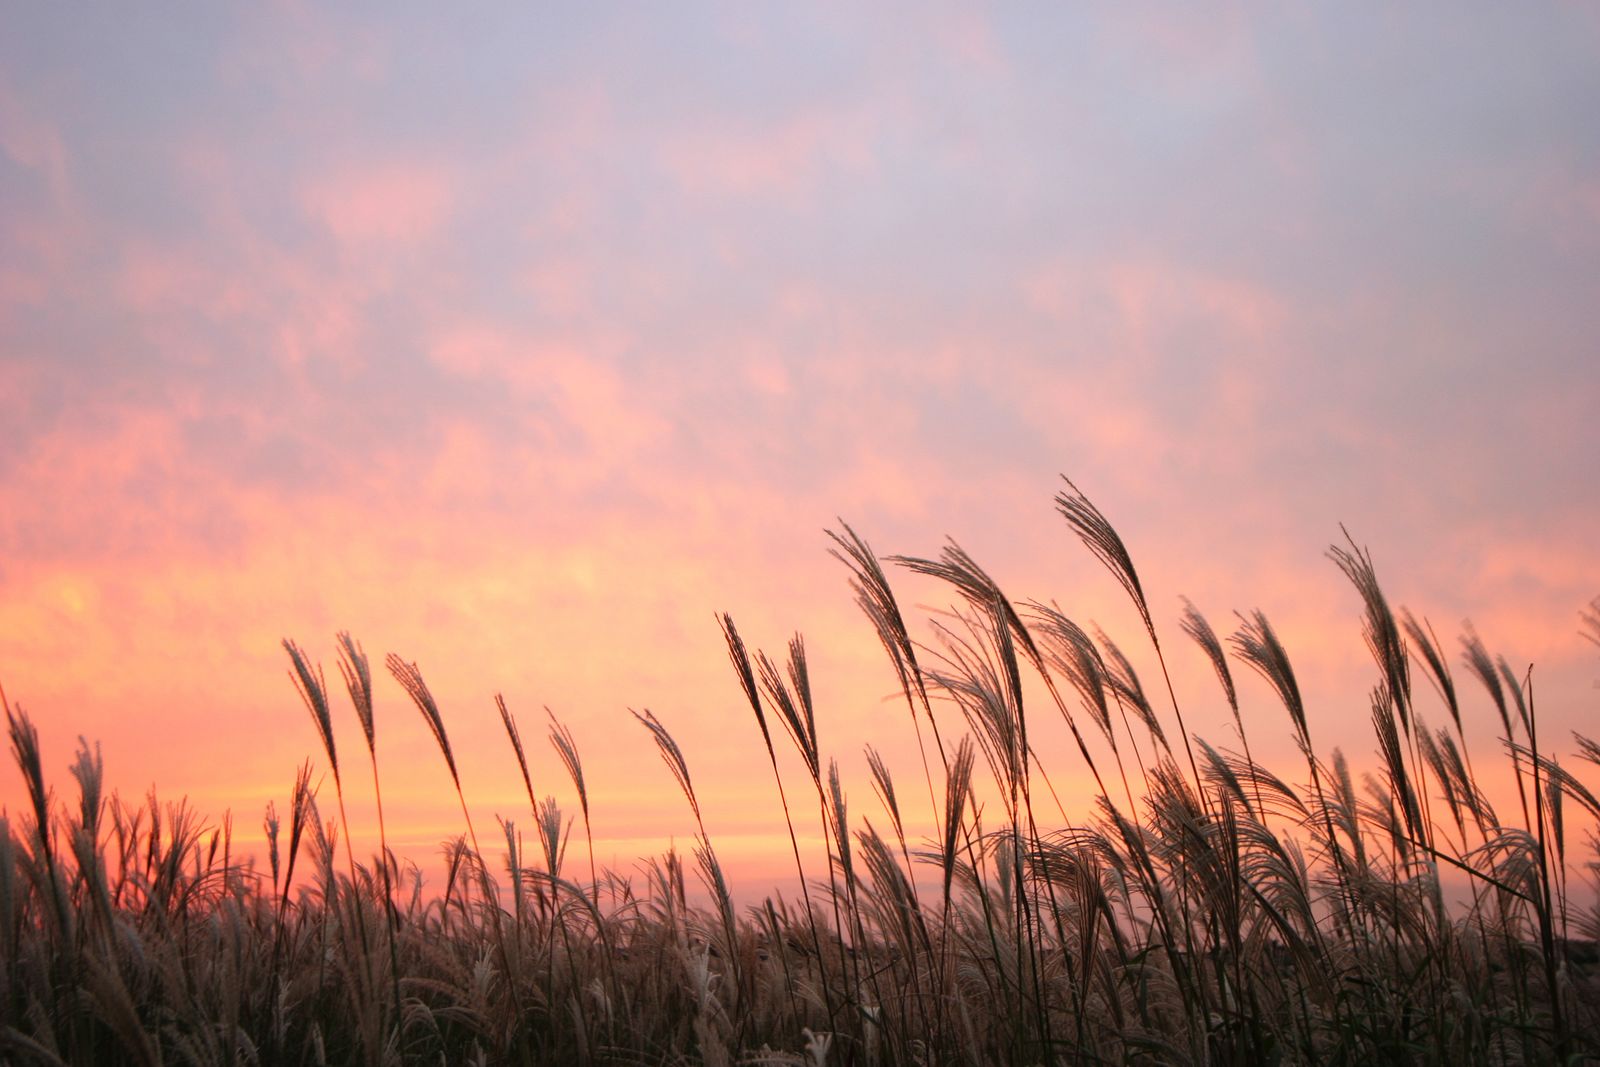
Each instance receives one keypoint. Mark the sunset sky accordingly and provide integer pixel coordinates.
(522, 342)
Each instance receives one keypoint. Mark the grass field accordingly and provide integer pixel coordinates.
(1207, 910)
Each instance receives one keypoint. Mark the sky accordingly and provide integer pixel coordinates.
(521, 342)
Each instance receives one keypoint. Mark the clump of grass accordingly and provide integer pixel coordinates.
(1218, 911)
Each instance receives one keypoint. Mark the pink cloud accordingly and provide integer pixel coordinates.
(384, 204)
(785, 159)
(573, 377)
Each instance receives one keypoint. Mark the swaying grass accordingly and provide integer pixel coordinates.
(1211, 910)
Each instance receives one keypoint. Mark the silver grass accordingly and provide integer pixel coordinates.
(1590, 617)
(877, 601)
(1124, 682)
(357, 674)
(960, 570)
(1425, 645)
(1074, 654)
(740, 658)
(958, 787)
(1384, 711)
(883, 783)
(1257, 644)
(313, 691)
(515, 736)
(795, 714)
(1477, 659)
(567, 749)
(1105, 544)
(671, 755)
(561, 740)
(410, 679)
(1199, 630)
(1382, 635)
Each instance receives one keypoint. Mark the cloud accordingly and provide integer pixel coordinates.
(393, 205)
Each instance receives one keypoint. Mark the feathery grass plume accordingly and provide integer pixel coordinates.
(270, 826)
(1221, 773)
(1384, 713)
(552, 835)
(1546, 910)
(1199, 630)
(314, 692)
(1569, 783)
(410, 680)
(25, 750)
(1105, 543)
(883, 784)
(671, 755)
(1466, 783)
(357, 674)
(991, 680)
(778, 693)
(516, 746)
(1476, 657)
(1424, 644)
(514, 870)
(795, 714)
(1124, 682)
(839, 823)
(793, 702)
(986, 684)
(957, 788)
(899, 913)
(567, 749)
(1383, 638)
(89, 770)
(561, 740)
(1556, 781)
(1074, 654)
(877, 601)
(740, 658)
(960, 570)
(1590, 617)
(299, 810)
(898, 880)
(1257, 644)
(1433, 753)
(1518, 694)
(973, 681)
(308, 682)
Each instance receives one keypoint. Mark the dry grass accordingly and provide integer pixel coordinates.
(1210, 910)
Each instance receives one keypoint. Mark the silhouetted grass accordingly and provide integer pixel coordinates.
(1210, 910)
